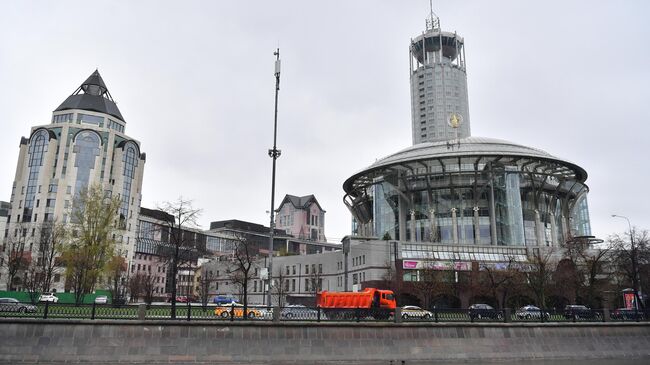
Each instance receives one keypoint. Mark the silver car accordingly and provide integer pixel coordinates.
(297, 311)
(530, 311)
(412, 311)
(13, 305)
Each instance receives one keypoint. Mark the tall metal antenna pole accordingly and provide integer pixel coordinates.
(274, 154)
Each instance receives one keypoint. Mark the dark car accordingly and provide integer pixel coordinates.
(627, 314)
(574, 311)
(482, 311)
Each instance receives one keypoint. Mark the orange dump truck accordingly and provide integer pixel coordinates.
(370, 302)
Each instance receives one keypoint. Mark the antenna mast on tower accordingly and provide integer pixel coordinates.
(433, 22)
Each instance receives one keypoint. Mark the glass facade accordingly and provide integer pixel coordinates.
(130, 163)
(471, 200)
(37, 149)
(86, 149)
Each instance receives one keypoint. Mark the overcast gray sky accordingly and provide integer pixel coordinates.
(194, 81)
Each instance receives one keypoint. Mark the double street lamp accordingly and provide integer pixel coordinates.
(633, 259)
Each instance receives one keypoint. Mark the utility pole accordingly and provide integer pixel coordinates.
(274, 154)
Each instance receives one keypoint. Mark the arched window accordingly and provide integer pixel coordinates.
(37, 149)
(130, 163)
(86, 148)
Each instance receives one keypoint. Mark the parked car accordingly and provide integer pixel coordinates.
(13, 305)
(530, 311)
(222, 299)
(574, 311)
(118, 301)
(299, 311)
(225, 310)
(481, 311)
(101, 299)
(412, 311)
(48, 297)
(180, 299)
(627, 314)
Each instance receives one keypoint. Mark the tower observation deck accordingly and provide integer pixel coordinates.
(439, 102)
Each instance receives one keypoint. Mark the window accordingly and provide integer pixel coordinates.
(286, 285)
(287, 270)
(50, 203)
(306, 284)
(320, 268)
(293, 284)
(90, 119)
(293, 270)
(364, 259)
(306, 269)
(68, 190)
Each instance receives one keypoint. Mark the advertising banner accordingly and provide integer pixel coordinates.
(437, 265)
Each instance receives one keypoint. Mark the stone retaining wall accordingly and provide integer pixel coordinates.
(23, 340)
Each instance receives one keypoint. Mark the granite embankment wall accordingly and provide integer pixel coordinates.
(23, 340)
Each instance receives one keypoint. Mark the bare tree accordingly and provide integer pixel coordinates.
(631, 258)
(315, 280)
(51, 239)
(95, 219)
(277, 288)
(15, 259)
(116, 269)
(431, 284)
(583, 269)
(32, 281)
(148, 287)
(539, 277)
(502, 281)
(205, 281)
(181, 249)
(241, 271)
(135, 287)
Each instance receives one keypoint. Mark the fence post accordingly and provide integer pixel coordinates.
(435, 314)
(318, 315)
(92, 313)
(542, 314)
(232, 313)
(142, 311)
(507, 315)
(275, 311)
(398, 315)
(47, 307)
(189, 309)
(357, 314)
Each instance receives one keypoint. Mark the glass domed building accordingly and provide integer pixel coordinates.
(452, 188)
(472, 191)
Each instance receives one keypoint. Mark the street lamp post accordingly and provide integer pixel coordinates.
(274, 154)
(633, 259)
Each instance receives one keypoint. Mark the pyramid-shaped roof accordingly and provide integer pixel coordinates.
(92, 95)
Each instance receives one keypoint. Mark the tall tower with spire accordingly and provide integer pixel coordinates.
(84, 144)
(439, 102)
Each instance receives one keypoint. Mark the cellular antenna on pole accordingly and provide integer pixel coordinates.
(274, 153)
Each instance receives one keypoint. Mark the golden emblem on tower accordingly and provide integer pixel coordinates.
(454, 120)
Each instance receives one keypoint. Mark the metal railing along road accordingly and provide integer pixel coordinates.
(196, 312)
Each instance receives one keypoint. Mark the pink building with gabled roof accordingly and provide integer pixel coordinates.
(301, 217)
